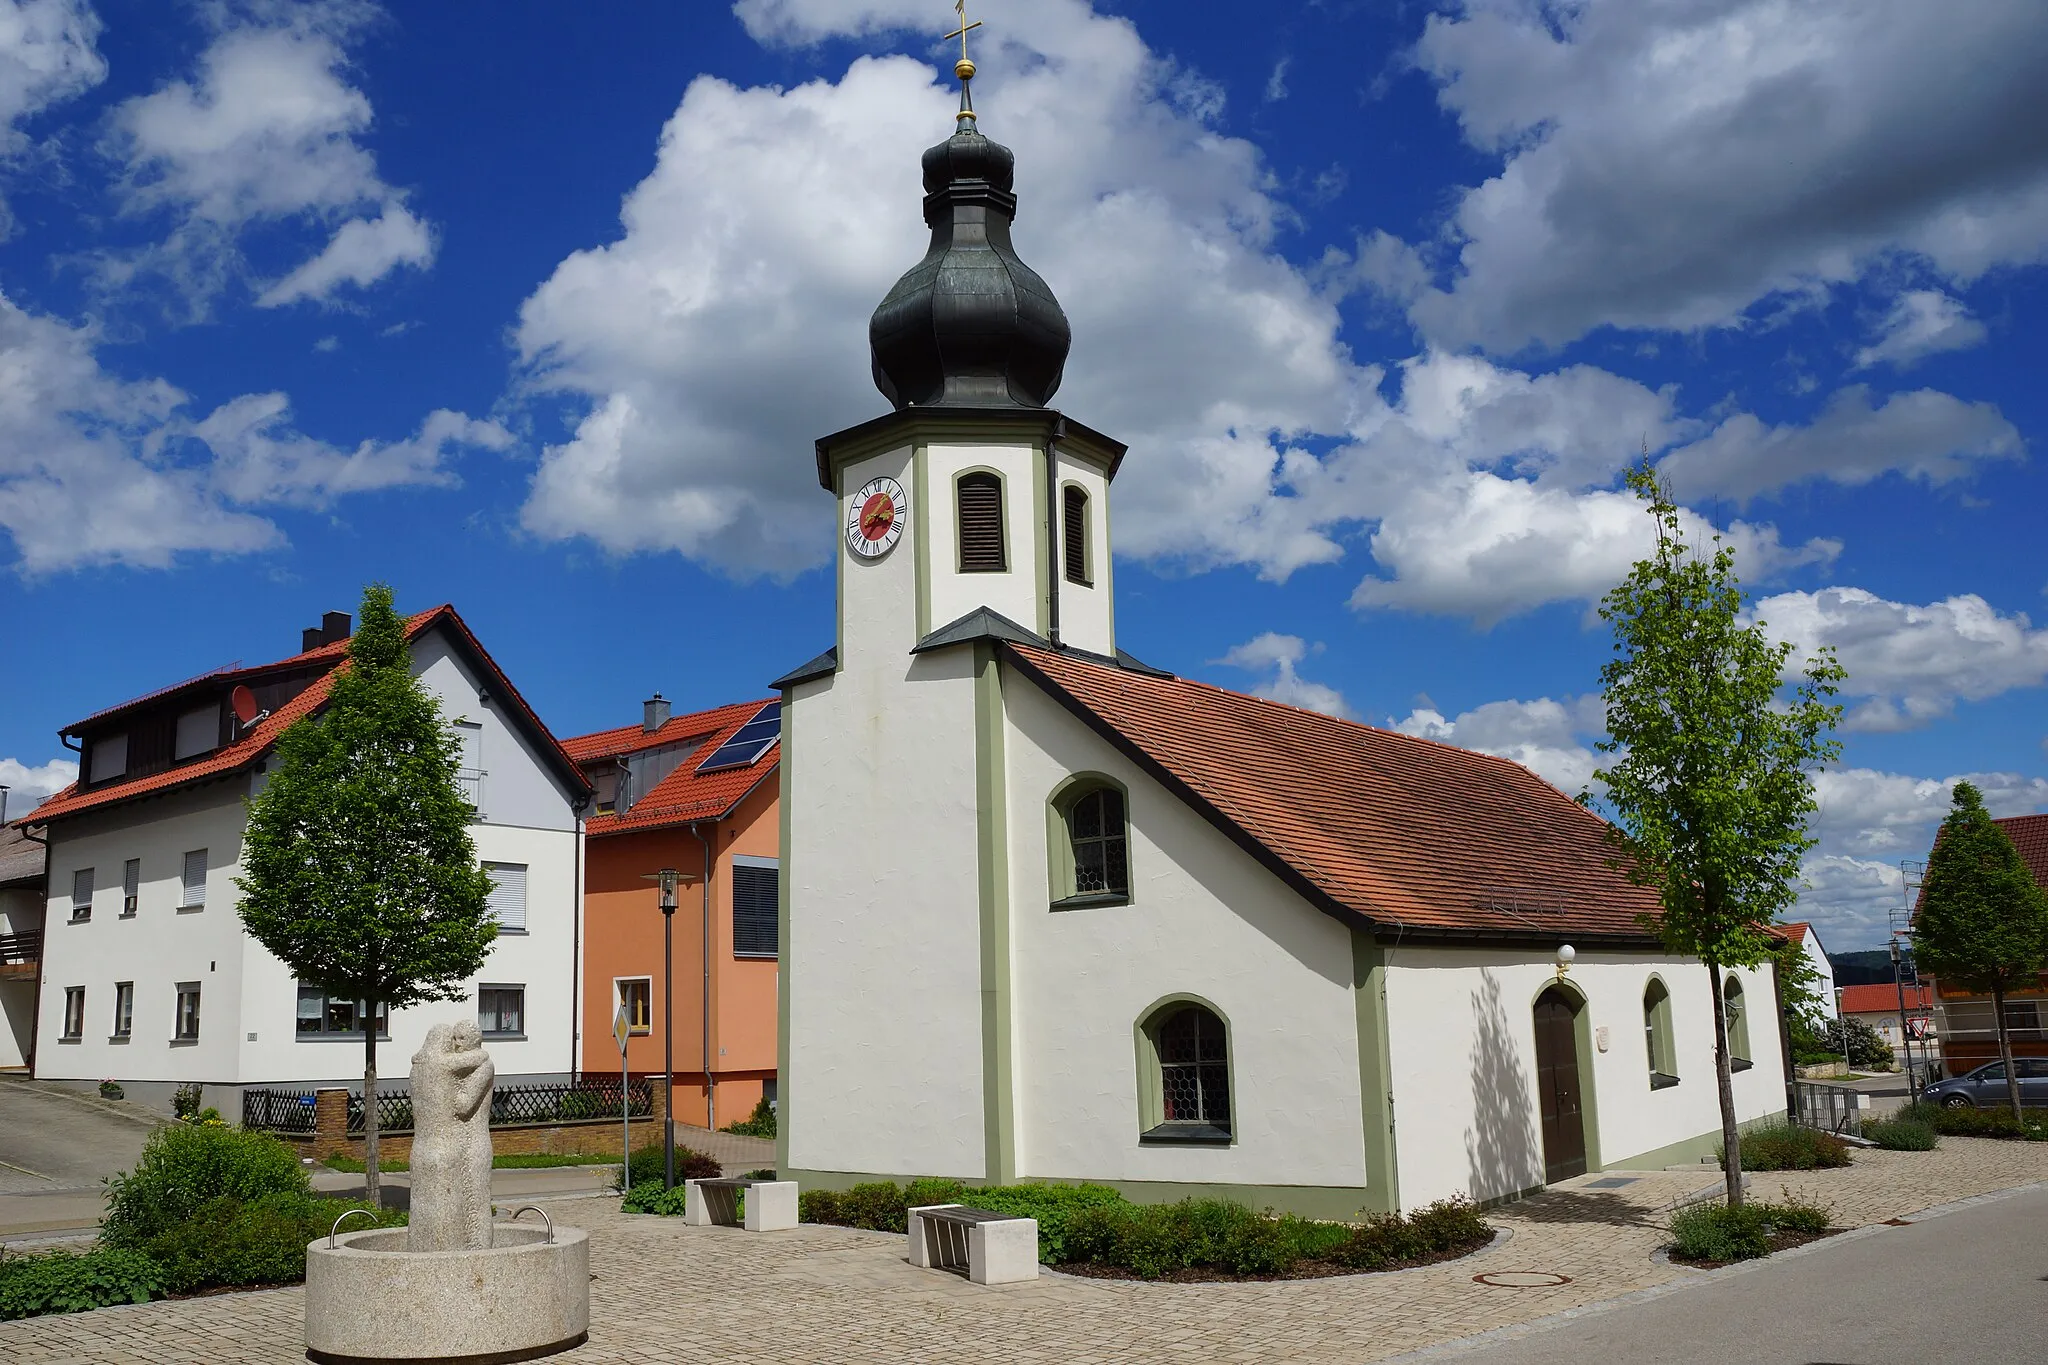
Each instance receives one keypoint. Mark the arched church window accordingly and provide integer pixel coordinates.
(1074, 529)
(1657, 1035)
(1739, 1058)
(1186, 1095)
(980, 497)
(1095, 827)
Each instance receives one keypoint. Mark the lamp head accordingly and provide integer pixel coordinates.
(1565, 955)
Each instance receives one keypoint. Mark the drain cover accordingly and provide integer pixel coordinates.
(1522, 1279)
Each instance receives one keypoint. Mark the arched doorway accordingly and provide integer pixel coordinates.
(1558, 1091)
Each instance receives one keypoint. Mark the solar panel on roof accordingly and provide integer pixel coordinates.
(749, 742)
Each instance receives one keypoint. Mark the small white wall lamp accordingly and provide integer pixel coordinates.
(1565, 954)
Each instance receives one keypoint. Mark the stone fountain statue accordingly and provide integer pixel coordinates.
(452, 1285)
(451, 1141)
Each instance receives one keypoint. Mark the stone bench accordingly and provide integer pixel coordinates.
(988, 1248)
(771, 1204)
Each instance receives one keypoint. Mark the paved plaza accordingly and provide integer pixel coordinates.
(666, 1292)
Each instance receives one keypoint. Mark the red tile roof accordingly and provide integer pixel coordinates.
(1792, 933)
(685, 795)
(1408, 833)
(2029, 833)
(1883, 998)
(245, 751)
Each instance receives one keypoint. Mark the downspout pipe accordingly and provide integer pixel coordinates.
(710, 1086)
(576, 950)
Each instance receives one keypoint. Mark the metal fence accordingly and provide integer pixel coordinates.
(1829, 1108)
(291, 1111)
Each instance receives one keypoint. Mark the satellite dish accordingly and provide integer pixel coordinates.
(247, 712)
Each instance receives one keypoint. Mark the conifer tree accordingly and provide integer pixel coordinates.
(1710, 782)
(1983, 922)
(359, 872)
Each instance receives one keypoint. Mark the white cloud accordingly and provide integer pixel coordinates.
(1911, 662)
(99, 470)
(1668, 163)
(1924, 434)
(1922, 323)
(1276, 84)
(1280, 655)
(47, 54)
(265, 134)
(29, 786)
(1549, 738)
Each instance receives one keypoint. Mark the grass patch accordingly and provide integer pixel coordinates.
(1788, 1147)
(1971, 1121)
(1715, 1234)
(1902, 1135)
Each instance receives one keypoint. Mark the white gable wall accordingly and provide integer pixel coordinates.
(1463, 1057)
(1204, 919)
(517, 787)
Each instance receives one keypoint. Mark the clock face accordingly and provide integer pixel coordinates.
(874, 518)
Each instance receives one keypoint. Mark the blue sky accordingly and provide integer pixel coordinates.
(540, 314)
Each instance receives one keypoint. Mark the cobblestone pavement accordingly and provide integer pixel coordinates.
(665, 1292)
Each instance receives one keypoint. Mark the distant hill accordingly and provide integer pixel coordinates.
(1867, 968)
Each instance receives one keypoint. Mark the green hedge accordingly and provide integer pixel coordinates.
(760, 1123)
(1970, 1121)
(185, 1166)
(229, 1243)
(647, 1165)
(72, 1282)
(1902, 1135)
(1788, 1147)
(1715, 1232)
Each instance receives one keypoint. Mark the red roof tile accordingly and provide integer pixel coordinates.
(685, 795)
(2029, 833)
(244, 752)
(1792, 933)
(1408, 833)
(1883, 998)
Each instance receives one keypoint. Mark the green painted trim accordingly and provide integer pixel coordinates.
(1660, 1029)
(998, 1088)
(1582, 1041)
(1704, 1148)
(1151, 1083)
(1106, 580)
(782, 849)
(1335, 1203)
(1735, 1009)
(920, 522)
(1059, 850)
(1041, 508)
(1375, 1072)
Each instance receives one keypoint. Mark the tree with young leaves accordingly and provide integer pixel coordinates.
(1983, 922)
(1710, 782)
(359, 872)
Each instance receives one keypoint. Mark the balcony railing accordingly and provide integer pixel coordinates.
(470, 783)
(20, 950)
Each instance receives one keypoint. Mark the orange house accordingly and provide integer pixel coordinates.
(698, 794)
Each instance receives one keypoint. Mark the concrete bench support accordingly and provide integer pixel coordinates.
(771, 1204)
(992, 1248)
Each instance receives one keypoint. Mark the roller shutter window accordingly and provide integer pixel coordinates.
(756, 893)
(198, 733)
(981, 524)
(508, 895)
(193, 896)
(81, 894)
(1074, 526)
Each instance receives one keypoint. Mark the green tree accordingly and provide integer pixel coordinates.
(1983, 922)
(1710, 782)
(359, 872)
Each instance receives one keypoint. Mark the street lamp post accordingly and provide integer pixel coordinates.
(1905, 1030)
(667, 878)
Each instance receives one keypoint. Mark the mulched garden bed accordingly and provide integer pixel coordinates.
(1780, 1241)
(1301, 1270)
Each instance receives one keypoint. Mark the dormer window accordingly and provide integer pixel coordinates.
(107, 759)
(198, 733)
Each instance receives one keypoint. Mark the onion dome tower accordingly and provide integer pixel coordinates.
(970, 325)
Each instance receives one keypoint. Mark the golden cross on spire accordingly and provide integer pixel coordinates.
(964, 68)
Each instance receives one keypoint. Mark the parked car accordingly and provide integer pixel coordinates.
(1984, 1088)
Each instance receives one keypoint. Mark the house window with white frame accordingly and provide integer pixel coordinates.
(124, 1009)
(131, 887)
(81, 895)
(74, 1013)
(636, 997)
(501, 1011)
(187, 1017)
(507, 899)
(192, 888)
(330, 1016)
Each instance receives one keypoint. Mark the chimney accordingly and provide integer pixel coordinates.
(309, 639)
(335, 627)
(653, 713)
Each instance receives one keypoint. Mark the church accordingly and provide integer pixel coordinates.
(1050, 913)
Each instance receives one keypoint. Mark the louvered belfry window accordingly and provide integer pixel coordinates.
(981, 524)
(1074, 523)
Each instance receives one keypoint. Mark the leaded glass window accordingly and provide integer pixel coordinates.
(1194, 1068)
(1101, 862)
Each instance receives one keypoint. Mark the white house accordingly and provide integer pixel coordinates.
(1054, 914)
(21, 942)
(148, 975)
(1808, 939)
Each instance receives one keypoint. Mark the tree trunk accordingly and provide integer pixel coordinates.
(373, 1189)
(2012, 1075)
(1731, 1139)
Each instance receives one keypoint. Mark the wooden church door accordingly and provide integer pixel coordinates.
(1557, 1088)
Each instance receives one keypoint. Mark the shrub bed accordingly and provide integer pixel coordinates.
(1788, 1147)
(184, 1166)
(1902, 1135)
(1974, 1122)
(1714, 1234)
(1093, 1230)
(760, 1123)
(72, 1282)
(646, 1165)
(230, 1243)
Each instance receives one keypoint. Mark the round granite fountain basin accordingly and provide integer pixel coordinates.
(370, 1299)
